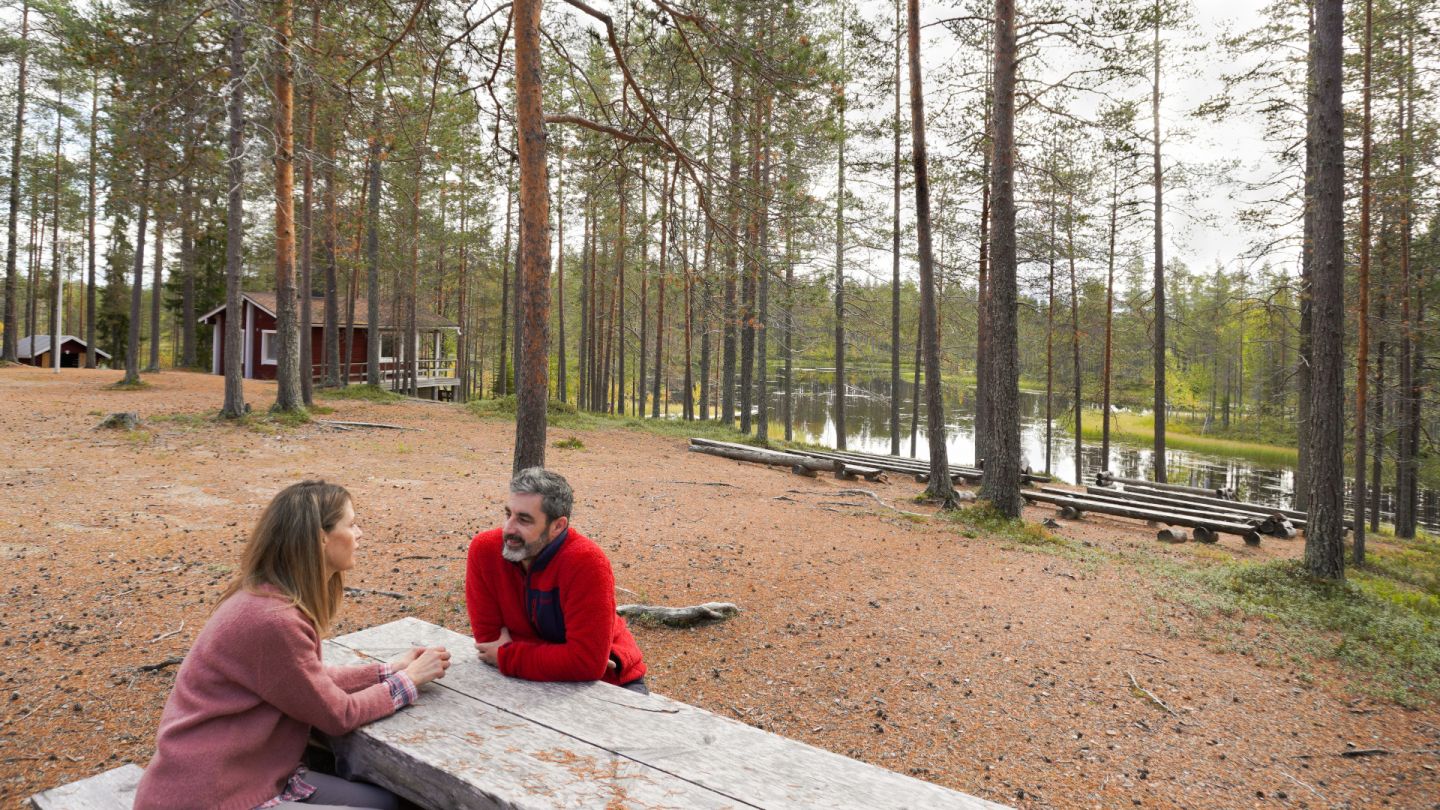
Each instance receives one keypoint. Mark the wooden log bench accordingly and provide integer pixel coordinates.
(112, 790)
(478, 739)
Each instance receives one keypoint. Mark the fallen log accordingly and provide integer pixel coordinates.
(1193, 502)
(757, 455)
(1105, 478)
(1210, 526)
(681, 616)
(1271, 524)
(847, 471)
(1293, 514)
(376, 425)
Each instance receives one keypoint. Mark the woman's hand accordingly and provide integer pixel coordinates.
(490, 650)
(403, 660)
(428, 664)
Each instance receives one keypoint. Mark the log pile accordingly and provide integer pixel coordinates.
(844, 464)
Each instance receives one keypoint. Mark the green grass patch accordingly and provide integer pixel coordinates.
(983, 518)
(364, 393)
(1140, 428)
(138, 385)
(1382, 631)
(571, 443)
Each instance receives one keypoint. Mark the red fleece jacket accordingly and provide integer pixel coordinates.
(577, 588)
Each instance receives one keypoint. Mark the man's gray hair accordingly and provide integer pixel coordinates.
(556, 497)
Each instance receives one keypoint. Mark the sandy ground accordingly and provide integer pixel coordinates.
(971, 662)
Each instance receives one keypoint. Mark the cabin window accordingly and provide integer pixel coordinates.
(267, 347)
(389, 346)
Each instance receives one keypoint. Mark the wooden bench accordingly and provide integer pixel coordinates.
(112, 790)
(477, 739)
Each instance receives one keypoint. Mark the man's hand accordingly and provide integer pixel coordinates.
(490, 650)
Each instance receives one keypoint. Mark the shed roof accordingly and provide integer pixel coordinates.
(425, 320)
(36, 345)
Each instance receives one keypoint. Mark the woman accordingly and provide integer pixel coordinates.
(252, 686)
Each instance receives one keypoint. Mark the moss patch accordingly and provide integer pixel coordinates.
(365, 393)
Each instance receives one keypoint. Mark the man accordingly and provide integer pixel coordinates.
(541, 596)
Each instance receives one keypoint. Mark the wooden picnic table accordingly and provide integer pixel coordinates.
(478, 739)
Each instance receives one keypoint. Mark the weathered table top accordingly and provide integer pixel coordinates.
(477, 739)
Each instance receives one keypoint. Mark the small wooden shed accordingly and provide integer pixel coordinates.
(35, 351)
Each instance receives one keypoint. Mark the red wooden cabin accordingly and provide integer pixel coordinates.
(436, 363)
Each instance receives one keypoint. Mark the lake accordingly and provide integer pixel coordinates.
(867, 429)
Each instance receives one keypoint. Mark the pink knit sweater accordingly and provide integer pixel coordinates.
(250, 689)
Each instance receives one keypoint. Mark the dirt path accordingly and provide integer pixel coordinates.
(972, 662)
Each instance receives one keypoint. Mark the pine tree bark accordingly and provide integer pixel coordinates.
(1159, 291)
(234, 406)
(838, 410)
(307, 232)
(1075, 336)
(502, 377)
(1000, 394)
(620, 226)
(1362, 353)
(939, 488)
(894, 265)
(662, 262)
(288, 395)
(1109, 320)
(1325, 530)
(157, 292)
(132, 347)
(373, 332)
(561, 362)
(92, 171)
(762, 270)
(532, 393)
(12, 279)
(731, 317)
(187, 271)
(57, 284)
(334, 378)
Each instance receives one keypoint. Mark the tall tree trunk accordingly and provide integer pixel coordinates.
(532, 392)
(894, 262)
(620, 287)
(333, 376)
(462, 341)
(582, 365)
(762, 267)
(731, 319)
(132, 346)
(662, 262)
(1159, 291)
(562, 361)
(157, 292)
(57, 284)
(688, 268)
(502, 377)
(982, 285)
(12, 278)
(1307, 262)
(1001, 391)
(939, 487)
(707, 303)
(91, 172)
(1050, 335)
(234, 406)
(1109, 320)
(1325, 530)
(187, 272)
(1075, 335)
(288, 395)
(640, 390)
(1362, 359)
(373, 332)
(307, 230)
(838, 410)
(1407, 488)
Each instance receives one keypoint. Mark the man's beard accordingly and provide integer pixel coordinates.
(524, 552)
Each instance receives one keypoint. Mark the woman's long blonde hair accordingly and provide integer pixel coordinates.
(284, 550)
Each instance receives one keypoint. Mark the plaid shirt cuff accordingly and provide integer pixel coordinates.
(402, 690)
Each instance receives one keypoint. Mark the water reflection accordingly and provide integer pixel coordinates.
(867, 429)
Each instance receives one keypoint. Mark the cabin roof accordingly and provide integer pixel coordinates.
(36, 345)
(425, 320)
